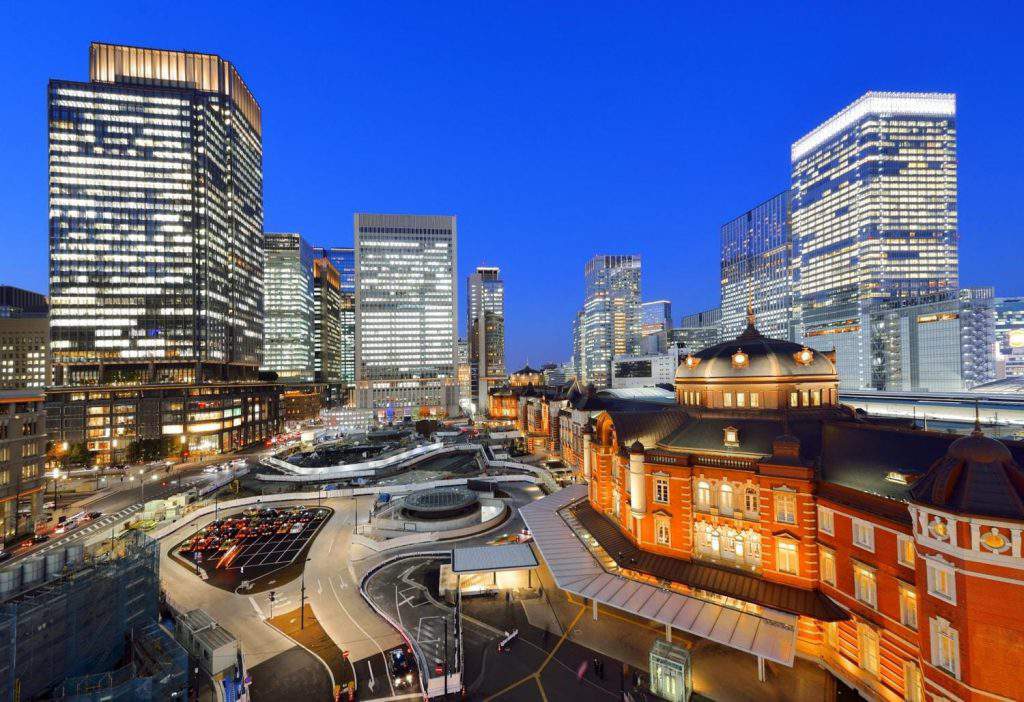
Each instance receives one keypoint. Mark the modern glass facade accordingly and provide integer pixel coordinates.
(289, 327)
(405, 313)
(944, 345)
(156, 255)
(327, 322)
(611, 323)
(485, 327)
(697, 331)
(156, 219)
(757, 268)
(344, 261)
(874, 219)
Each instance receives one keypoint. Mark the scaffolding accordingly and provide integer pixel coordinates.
(79, 623)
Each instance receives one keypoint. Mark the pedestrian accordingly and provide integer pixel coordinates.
(597, 667)
(508, 597)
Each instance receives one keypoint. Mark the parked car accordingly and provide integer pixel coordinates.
(5, 555)
(39, 538)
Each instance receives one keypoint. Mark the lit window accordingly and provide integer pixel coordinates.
(941, 581)
(755, 399)
(864, 535)
(905, 551)
(661, 532)
(912, 688)
(731, 436)
(945, 646)
(727, 399)
(826, 521)
(865, 588)
(794, 399)
(750, 501)
(786, 557)
(908, 606)
(661, 490)
(816, 397)
(867, 648)
(703, 495)
(725, 498)
(785, 507)
(741, 399)
(828, 567)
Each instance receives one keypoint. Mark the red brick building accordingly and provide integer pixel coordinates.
(898, 550)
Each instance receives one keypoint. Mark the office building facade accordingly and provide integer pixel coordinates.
(697, 331)
(343, 258)
(1009, 323)
(874, 219)
(645, 370)
(406, 313)
(945, 345)
(327, 322)
(485, 328)
(22, 461)
(288, 338)
(655, 321)
(24, 339)
(611, 322)
(757, 268)
(156, 233)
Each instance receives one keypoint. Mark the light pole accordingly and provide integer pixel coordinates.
(56, 476)
(302, 597)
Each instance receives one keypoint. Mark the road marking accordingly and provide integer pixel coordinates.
(373, 682)
(330, 581)
(259, 612)
(319, 587)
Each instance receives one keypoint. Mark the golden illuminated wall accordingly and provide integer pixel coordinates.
(109, 63)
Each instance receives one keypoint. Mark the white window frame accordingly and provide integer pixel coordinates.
(826, 521)
(785, 506)
(828, 566)
(863, 534)
(727, 399)
(912, 682)
(723, 508)
(943, 635)
(868, 644)
(865, 585)
(939, 575)
(661, 485)
(662, 525)
(902, 542)
(792, 549)
(747, 493)
(908, 606)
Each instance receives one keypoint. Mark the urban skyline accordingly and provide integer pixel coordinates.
(751, 167)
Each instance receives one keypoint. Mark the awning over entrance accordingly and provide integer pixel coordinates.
(477, 559)
(760, 631)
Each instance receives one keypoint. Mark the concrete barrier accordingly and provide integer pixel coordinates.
(348, 470)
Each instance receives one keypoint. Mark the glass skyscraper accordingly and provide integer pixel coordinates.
(343, 258)
(874, 218)
(327, 322)
(405, 313)
(485, 328)
(757, 268)
(289, 326)
(156, 255)
(610, 324)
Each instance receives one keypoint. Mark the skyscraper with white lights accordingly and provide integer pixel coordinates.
(485, 328)
(610, 324)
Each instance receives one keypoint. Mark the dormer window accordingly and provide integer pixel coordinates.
(740, 359)
(691, 362)
(731, 436)
(804, 356)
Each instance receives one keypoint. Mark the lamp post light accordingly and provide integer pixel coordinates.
(302, 597)
(56, 476)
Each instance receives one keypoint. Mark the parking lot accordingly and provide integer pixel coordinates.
(259, 547)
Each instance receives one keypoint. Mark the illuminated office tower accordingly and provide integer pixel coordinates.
(24, 339)
(405, 314)
(327, 322)
(655, 321)
(757, 268)
(156, 248)
(289, 326)
(485, 328)
(343, 258)
(874, 219)
(610, 325)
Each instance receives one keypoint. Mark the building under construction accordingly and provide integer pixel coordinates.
(80, 629)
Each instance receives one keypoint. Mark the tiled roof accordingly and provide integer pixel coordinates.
(703, 576)
(647, 426)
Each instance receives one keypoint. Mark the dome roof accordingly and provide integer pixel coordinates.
(751, 355)
(977, 476)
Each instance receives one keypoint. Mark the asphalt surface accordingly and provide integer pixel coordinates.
(293, 674)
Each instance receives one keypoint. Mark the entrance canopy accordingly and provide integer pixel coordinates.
(760, 631)
(480, 559)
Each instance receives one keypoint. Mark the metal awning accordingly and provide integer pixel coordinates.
(484, 559)
(761, 631)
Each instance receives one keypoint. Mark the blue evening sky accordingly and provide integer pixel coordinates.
(554, 130)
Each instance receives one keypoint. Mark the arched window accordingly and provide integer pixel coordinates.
(703, 495)
(714, 542)
(725, 498)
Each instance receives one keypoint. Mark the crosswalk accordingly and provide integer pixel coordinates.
(104, 521)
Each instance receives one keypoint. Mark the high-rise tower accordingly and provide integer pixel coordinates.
(874, 218)
(485, 329)
(610, 323)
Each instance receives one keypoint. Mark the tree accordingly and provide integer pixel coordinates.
(78, 455)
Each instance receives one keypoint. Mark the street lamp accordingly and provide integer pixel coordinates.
(302, 598)
(56, 476)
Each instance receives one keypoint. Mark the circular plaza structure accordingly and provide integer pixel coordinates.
(440, 504)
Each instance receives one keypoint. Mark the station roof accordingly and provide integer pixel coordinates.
(758, 630)
(484, 559)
